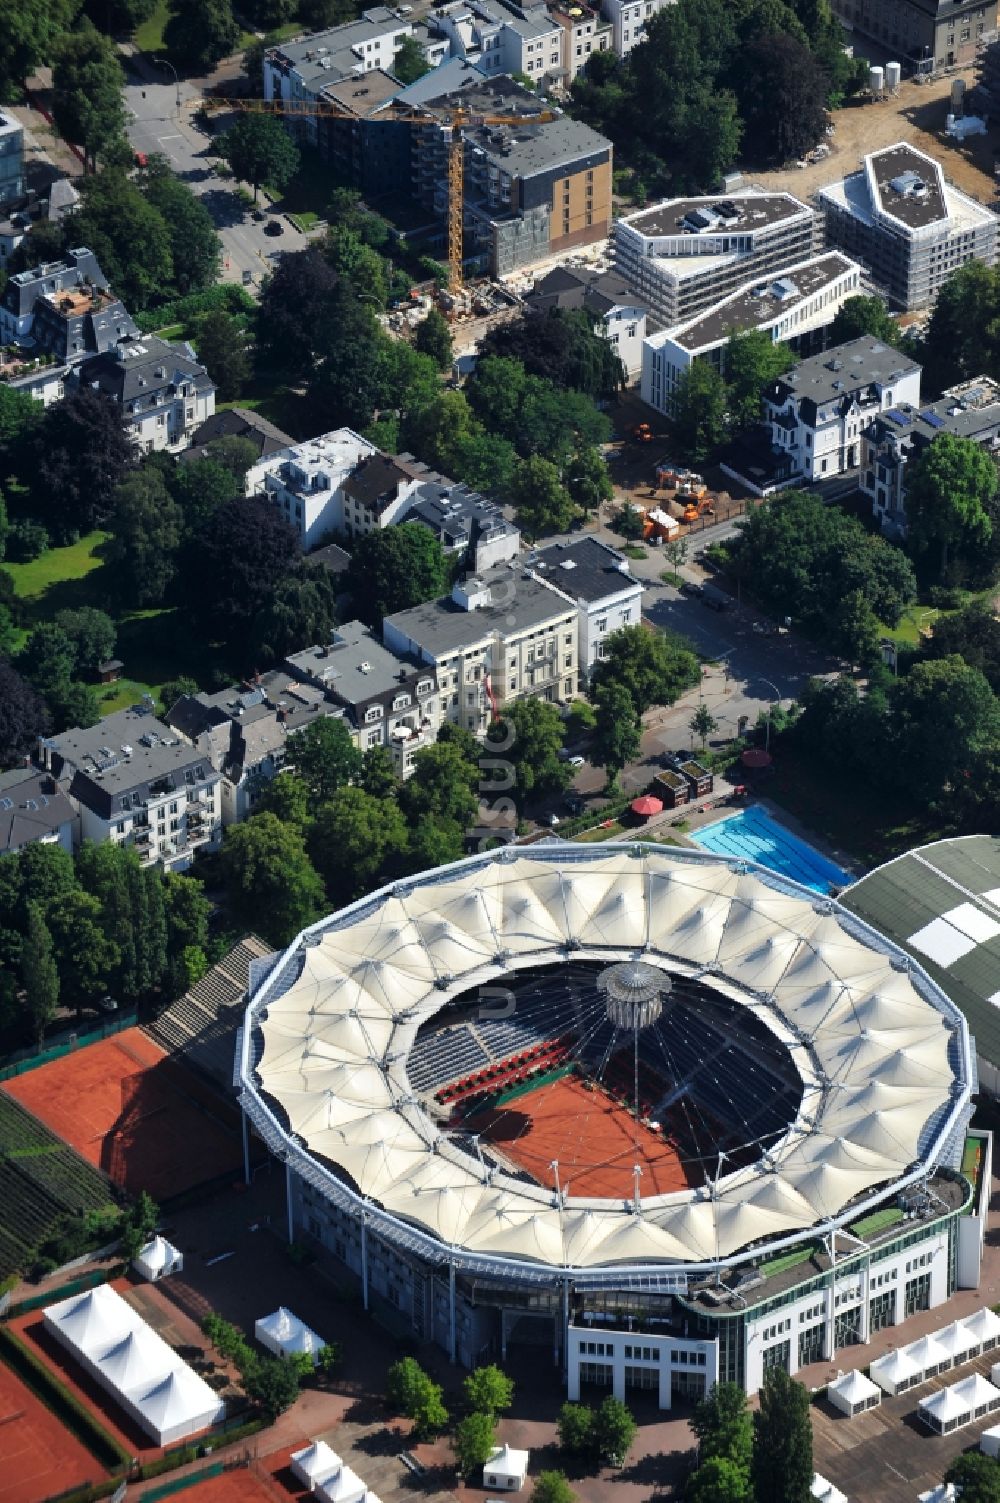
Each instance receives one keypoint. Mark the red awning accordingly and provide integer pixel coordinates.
(755, 757)
(647, 805)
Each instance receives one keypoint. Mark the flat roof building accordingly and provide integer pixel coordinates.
(910, 227)
(685, 254)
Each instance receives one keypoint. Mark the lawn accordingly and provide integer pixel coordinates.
(149, 36)
(57, 568)
(907, 633)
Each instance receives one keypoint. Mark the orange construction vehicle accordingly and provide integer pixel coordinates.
(701, 508)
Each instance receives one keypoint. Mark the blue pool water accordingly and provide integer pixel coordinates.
(755, 836)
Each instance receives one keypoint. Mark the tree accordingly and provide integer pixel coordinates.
(352, 376)
(129, 236)
(698, 417)
(718, 1480)
(294, 330)
(488, 1390)
(722, 1423)
(199, 488)
(963, 336)
(702, 724)
(118, 17)
(473, 1442)
(378, 772)
(430, 1416)
(587, 480)
(444, 786)
(175, 689)
(614, 1431)
(39, 975)
(85, 957)
(358, 264)
(194, 243)
(357, 842)
(48, 657)
(286, 797)
(782, 93)
(575, 1425)
(222, 348)
(410, 61)
(260, 150)
(433, 338)
(186, 913)
(860, 315)
(271, 884)
(655, 667)
(752, 360)
(87, 100)
(972, 633)
(146, 531)
(243, 550)
(81, 453)
(395, 568)
(273, 1383)
(552, 1487)
(72, 704)
(949, 488)
(528, 737)
(92, 633)
(200, 33)
(406, 1383)
(28, 32)
(325, 758)
(617, 735)
(941, 714)
(301, 611)
(542, 502)
(561, 347)
(976, 1477)
(782, 1466)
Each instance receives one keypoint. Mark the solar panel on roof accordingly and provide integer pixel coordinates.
(894, 414)
(932, 419)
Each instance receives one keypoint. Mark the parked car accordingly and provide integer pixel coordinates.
(690, 587)
(273, 227)
(577, 761)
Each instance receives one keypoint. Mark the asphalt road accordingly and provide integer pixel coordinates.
(158, 124)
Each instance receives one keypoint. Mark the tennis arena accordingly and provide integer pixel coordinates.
(547, 1098)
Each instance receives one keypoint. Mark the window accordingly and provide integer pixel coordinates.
(401, 702)
(602, 624)
(372, 714)
(373, 738)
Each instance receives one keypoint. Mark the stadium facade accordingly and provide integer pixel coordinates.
(809, 1078)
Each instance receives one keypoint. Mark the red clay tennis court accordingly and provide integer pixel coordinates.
(142, 1117)
(39, 1457)
(240, 1485)
(596, 1141)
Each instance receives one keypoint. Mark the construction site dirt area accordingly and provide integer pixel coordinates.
(596, 1141)
(917, 114)
(40, 1457)
(144, 1118)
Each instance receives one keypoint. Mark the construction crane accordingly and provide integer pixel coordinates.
(453, 118)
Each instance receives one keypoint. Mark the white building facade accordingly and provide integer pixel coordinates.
(606, 593)
(629, 19)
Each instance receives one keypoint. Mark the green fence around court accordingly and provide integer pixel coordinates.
(23, 1060)
(178, 1484)
(75, 1286)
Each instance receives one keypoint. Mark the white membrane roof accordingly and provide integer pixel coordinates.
(883, 1056)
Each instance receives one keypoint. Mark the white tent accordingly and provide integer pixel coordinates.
(943, 1493)
(141, 1372)
(985, 1327)
(506, 1469)
(895, 1372)
(929, 1355)
(853, 1393)
(989, 1441)
(958, 1340)
(157, 1259)
(315, 1464)
(285, 1335)
(342, 1486)
(945, 1411)
(179, 1405)
(825, 1491)
(981, 1396)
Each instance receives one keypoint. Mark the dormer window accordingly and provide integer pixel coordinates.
(401, 702)
(373, 714)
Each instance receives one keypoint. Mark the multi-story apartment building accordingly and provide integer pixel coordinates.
(390, 699)
(33, 811)
(616, 313)
(502, 36)
(11, 160)
(684, 255)
(306, 481)
(584, 32)
(163, 392)
(900, 434)
(818, 412)
(501, 637)
(533, 190)
(924, 34)
(135, 782)
(240, 731)
(38, 297)
(629, 19)
(795, 308)
(909, 226)
(606, 592)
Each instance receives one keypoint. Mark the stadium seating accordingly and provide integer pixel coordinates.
(443, 1055)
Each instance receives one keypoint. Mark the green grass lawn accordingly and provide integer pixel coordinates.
(56, 570)
(287, 409)
(304, 221)
(149, 36)
(907, 633)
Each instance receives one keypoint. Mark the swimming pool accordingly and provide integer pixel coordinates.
(754, 835)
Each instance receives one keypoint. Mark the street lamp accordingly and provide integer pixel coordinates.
(164, 62)
(777, 696)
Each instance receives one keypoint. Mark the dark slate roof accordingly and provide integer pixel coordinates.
(846, 368)
(113, 765)
(237, 422)
(134, 369)
(455, 514)
(954, 885)
(31, 808)
(580, 287)
(333, 558)
(78, 268)
(585, 569)
(375, 480)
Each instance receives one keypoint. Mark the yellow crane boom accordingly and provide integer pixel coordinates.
(454, 117)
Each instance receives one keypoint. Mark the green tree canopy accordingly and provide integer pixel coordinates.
(963, 333)
(974, 635)
(146, 530)
(473, 1442)
(617, 734)
(444, 787)
(698, 415)
(324, 757)
(782, 1462)
(200, 33)
(357, 842)
(194, 243)
(80, 454)
(529, 737)
(39, 974)
(752, 360)
(271, 884)
(976, 1477)
(941, 714)
(85, 957)
(87, 100)
(129, 236)
(718, 1480)
(722, 1423)
(552, 1487)
(560, 347)
(575, 1424)
(782, 93)
(541, 501)
(488, 1390)
(394, 568)
(949, 490)
(433, 338)
(614, 1431)
(92, 633)
(24, 715)
(260, 150)
(861, 315)
(410, 61)
(654, 667)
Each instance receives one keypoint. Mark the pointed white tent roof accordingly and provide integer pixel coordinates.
(957, 1340)
(179, 1400)
(947, 1406)
(92, 1322)
(851, 1390)
(342, 1486)
(984, 1325)
(881, 1087)
(156, 1256)
(141, 1358)
(315, 1462)
(506, 1461)
(927, 1352)
(894, 1369)
(282, 1331)
(976, 1391)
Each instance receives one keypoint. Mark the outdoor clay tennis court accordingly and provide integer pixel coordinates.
(39, 1457)
(596, 1142)
(143, 1118)
(241, 1485)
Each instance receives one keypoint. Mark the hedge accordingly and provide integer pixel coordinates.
(64, 1404)
(87, 1492)
(229, 297)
